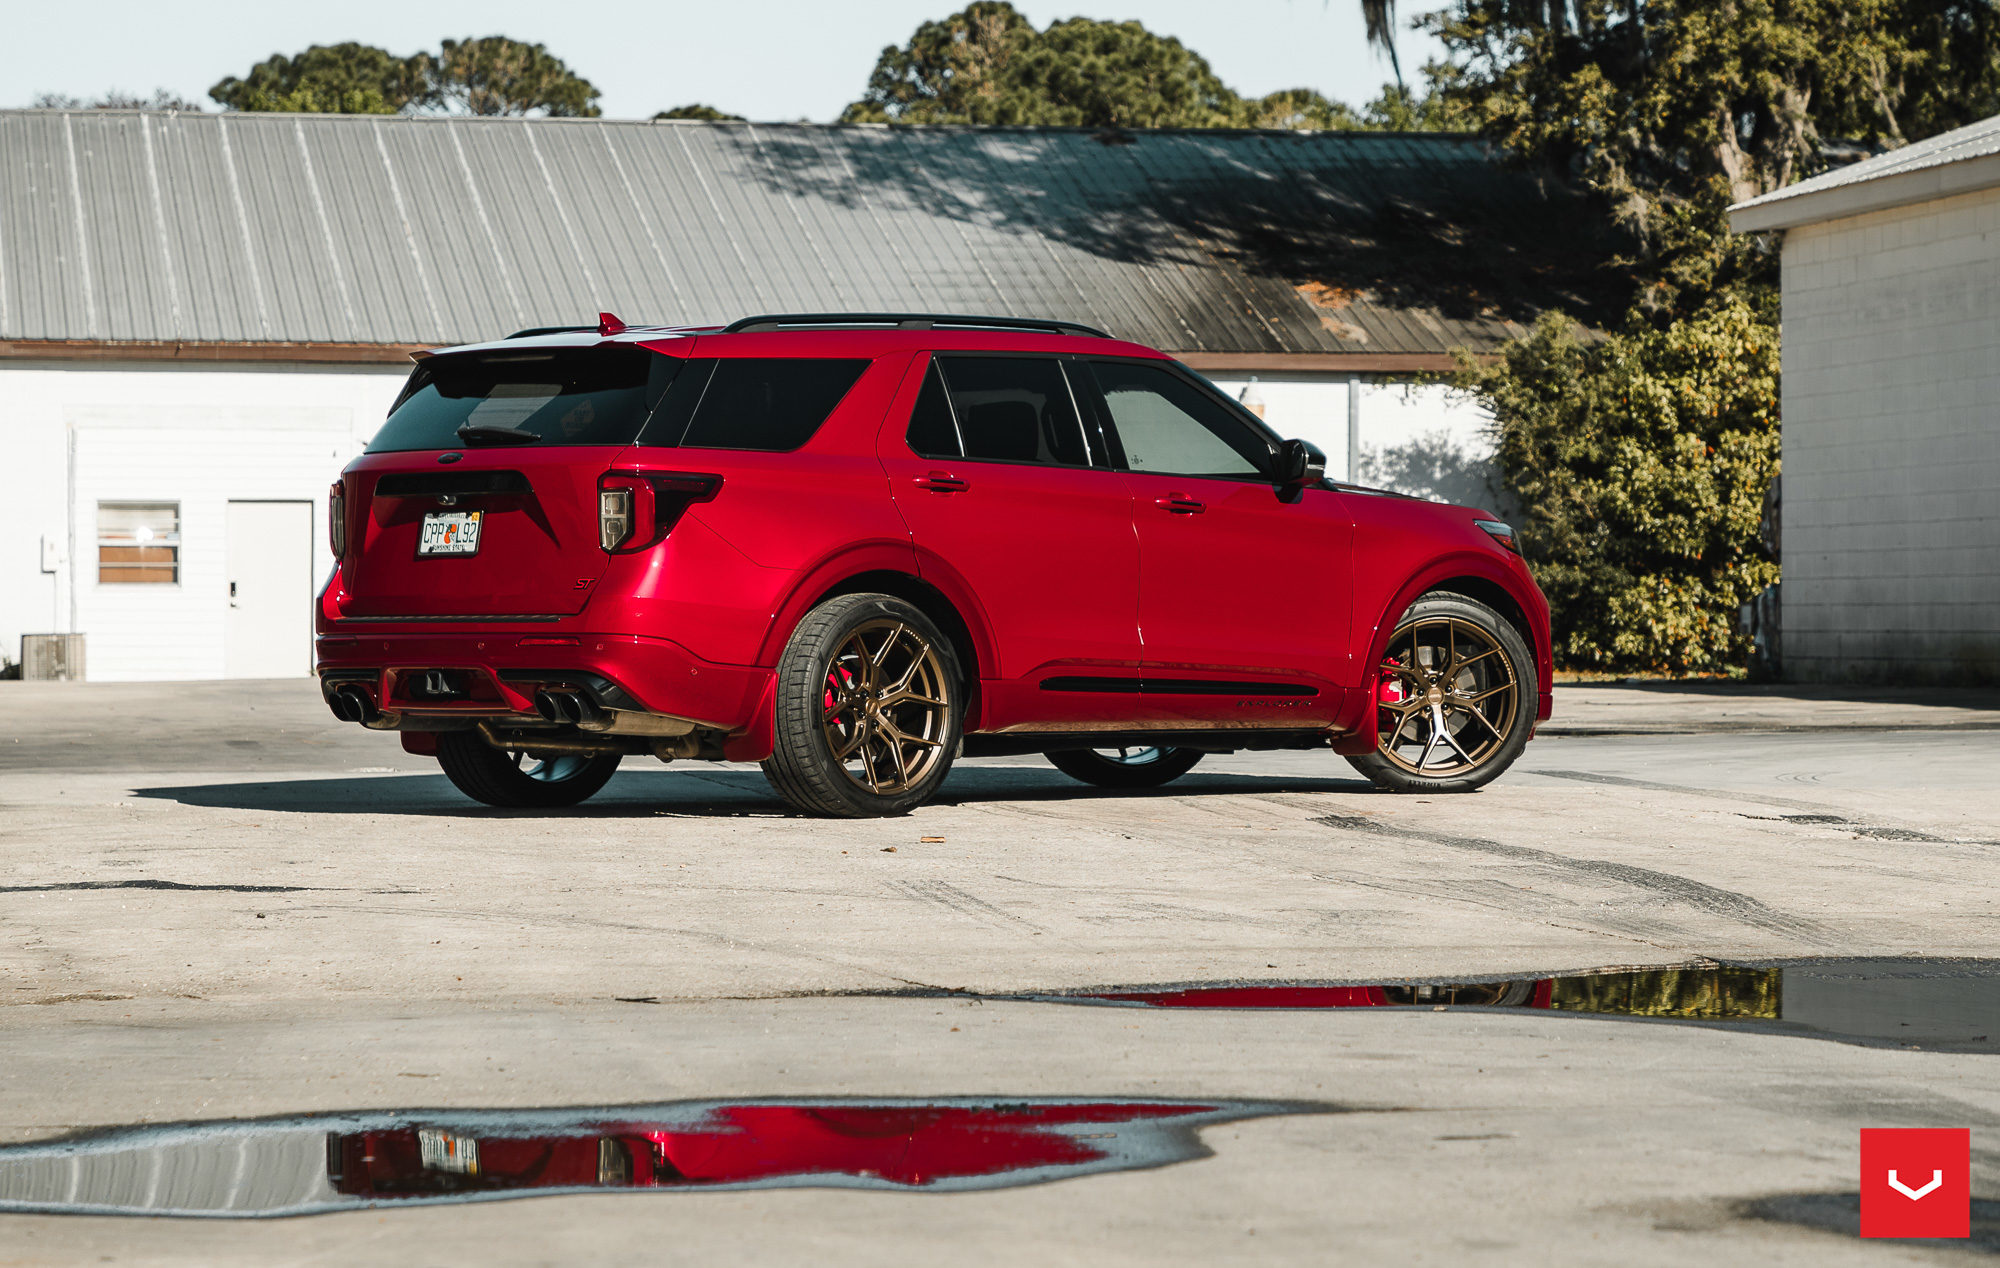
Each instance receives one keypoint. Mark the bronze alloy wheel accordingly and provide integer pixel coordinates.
(886, 706)
(1448, 699)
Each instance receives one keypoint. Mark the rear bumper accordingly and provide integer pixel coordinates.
(501, 673)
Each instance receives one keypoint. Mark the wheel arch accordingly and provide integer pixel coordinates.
(1478, 578)
(925, 598)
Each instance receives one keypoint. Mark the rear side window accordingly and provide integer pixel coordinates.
(1002, 409)
(774, 404)
(561, 396)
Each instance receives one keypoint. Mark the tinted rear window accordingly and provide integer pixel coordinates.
(773, 404)
(564, 396)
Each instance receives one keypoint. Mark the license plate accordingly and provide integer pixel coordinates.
(442, 1151)
(450, 533)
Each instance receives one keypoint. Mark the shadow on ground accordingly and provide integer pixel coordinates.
(720, 793)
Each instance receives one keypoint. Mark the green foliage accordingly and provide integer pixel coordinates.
(330, 79)
(489, 76)
(988, 64)
(698, 111)
(1670, 110)
(1641, 461)
(115, 100)
(494, 75)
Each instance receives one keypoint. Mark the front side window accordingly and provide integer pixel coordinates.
(1168, 425)
(547, 396)
(138, 543)
(1001, 409)
(772, 404)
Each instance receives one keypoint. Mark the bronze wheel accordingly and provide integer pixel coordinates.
(868, 707)
(885, 707)
(1455, 698)
(1448, 696)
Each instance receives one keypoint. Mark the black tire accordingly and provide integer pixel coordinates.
(1143, 768)
(1503, 667)
(902, 739)
(501, 778)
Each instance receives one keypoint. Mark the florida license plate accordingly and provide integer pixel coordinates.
(446, 1151)
(450, 533)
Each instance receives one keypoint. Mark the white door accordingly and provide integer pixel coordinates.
(270, 590)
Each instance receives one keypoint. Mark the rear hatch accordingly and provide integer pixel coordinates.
(479, 495)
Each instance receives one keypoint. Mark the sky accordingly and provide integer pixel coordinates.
(767, 59)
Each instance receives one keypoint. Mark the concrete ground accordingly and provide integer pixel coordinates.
(216, 902)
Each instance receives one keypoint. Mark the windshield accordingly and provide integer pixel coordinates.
(560, 396)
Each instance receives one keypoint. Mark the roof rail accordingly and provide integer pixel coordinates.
(908, 321)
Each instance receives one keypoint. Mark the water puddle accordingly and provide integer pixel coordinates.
(331, 1162)
(1943, 1004)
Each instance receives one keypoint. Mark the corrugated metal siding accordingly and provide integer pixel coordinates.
(358, 229)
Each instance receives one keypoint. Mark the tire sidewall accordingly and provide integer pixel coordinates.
(802, 764)
(1387, 774)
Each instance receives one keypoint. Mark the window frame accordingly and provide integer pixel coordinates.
(176, 544)
(1098, 454)
(1267, 473)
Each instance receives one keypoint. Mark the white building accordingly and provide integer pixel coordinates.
(1891, 506)
(203, 317)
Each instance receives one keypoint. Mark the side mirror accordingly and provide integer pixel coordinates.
(1300, 464)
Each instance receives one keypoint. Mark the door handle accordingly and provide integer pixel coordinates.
(942, 482)
(1180, 504)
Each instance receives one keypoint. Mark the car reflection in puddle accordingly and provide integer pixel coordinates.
(1944, 1004)
(318, 1163)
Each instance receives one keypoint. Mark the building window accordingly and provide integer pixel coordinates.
(138, 542)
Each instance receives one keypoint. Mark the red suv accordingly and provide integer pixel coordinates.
(854, 547)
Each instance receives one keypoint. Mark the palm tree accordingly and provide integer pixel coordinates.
(1380, 16)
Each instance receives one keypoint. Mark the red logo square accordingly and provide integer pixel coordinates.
(1916, 1182)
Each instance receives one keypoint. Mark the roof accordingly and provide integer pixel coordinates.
(201, 233)
(1957, 162)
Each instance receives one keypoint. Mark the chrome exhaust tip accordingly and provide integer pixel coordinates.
(351, 704)
(567, 706)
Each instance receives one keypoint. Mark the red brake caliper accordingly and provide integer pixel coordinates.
(1390, 690)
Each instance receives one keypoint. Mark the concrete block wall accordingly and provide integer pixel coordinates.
(1892, 444)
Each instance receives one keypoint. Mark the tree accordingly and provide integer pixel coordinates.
(1670, 110)
(489, 76)
(330, 79)
(1379, 18)
(1083, 72)
(494, 75)
(1640, 458)
(1640, 461)
(116, 99)
(988, 64)
(698, 111)
(953, 70)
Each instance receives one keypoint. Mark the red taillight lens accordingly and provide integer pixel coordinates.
(637, 510)
(336, 518)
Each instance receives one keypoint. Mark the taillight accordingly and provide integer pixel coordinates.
(336, 518)
(635, 511)
(614, 515)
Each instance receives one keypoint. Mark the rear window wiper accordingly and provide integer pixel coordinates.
(486, 434)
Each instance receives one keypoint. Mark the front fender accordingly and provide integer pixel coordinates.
(1372, 640)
